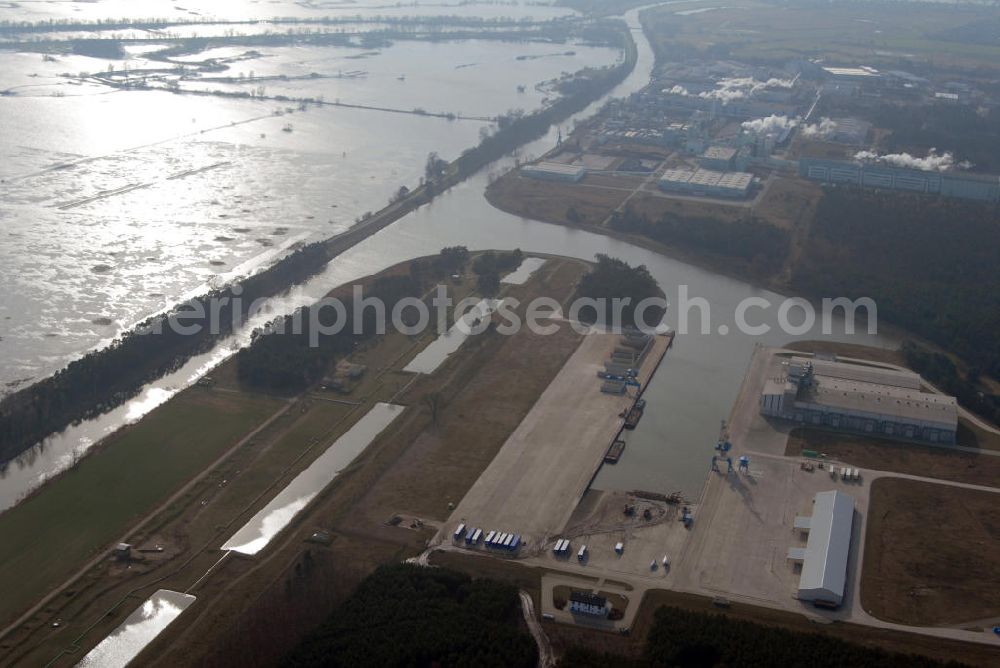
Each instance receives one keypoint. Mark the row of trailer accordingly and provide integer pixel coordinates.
(846, 473)
(498, 540)
(562, 549)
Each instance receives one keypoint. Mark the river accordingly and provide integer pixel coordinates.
(689, 395)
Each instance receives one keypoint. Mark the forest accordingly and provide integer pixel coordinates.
(615, 279)
(687, 638)
(288, 356)
(752, 245)
(408, 615)
(967, 133)
(930, 265)
(940, 370)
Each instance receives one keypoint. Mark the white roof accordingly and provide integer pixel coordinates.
(555, 168)
(707, 178)
(862, 71)
(824, 569)
(678, 175)
(719, 153)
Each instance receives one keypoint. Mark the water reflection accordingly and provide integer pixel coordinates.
(275, 516)
(431, 357)
(138, 630)
(528, 267)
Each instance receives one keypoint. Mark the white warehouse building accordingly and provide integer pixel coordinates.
(554, 171)
(706, 182)
(825, 556)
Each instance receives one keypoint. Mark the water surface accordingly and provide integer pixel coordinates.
(275, 516)
(138, 630)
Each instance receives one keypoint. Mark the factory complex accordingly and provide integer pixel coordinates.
(723, 131)
(859, 398)
(961, 185)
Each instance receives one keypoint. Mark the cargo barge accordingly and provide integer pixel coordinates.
(615, 452)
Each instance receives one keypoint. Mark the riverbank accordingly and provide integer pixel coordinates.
(513, 194)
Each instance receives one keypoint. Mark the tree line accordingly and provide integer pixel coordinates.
(752, 245)
(294, 351)
(105, 378)
(940, 370)
(613, 279)
(413, 616)
(688, 638)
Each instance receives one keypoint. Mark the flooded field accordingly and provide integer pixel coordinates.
(275, 516)
(119, 203)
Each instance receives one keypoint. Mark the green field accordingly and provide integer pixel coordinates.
(51, 534)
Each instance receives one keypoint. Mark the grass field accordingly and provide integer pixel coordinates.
(910, 458)
(51, 534)
(884, 355)
(894, 641)
(932, 553)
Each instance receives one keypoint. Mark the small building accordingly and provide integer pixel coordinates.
(824, 558)
(718, 158)
(122, 551)
(554, 171)
(585, 603)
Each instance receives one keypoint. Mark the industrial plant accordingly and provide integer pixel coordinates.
(859, 398)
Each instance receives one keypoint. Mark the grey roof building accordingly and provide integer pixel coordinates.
(824, 558)
(860, 398)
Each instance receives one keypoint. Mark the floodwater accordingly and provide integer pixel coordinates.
(138, 630)
(275, 516)
(521, 275)
(431, 357)
(235, 10)
(115, 205)
(693, 390)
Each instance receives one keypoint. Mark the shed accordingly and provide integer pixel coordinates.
(824, 563)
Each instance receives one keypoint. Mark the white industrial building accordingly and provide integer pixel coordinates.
(862, 73)
(554, 171)
(859, 398)
(824, 558)
(706, 182)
